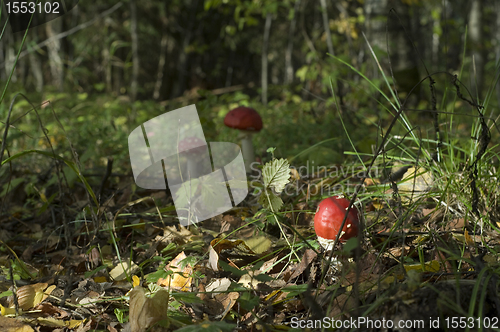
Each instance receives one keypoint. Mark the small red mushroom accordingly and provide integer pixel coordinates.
(328, 219)
(248, 122)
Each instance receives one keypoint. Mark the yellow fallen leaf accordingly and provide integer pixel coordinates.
(258, 244)
(237, 245)
(371, 181)
(120, 271)
(377, 204)
(135, 281)
(54, 322)
(51, 322)
(181, 278)
(272, 294)
(100, 279)
(72, 323)
(7, 311)
(432, 266)
(468, 238)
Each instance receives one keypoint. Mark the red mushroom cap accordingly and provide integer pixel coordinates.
(328, 219)
(244, 118)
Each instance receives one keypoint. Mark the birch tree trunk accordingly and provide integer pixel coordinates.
(106, 62)
(475, 35)
(389, 36)
(161, 66)
(135, 52)
(36, 69)
(182, 61)
(52, 28)
(265, 45)
(326, 26)
(163, 53)
(289, 73)
(3, 76)
(10, 55)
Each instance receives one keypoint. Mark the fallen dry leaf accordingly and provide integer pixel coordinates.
(31, 295)
(120, 271)
(218, 285)
(456, 224)
(237, 245)
(468, 238)
(248, 280)
(259, 244)
(172, 235)
(53, 322)
(13, 325)
(181, 278)
(431, 266)
(378, 204)
(48, 309)
(4, 311)
(144, 311)
(213, 258)
(222, 303)
(293, 271)
(396, 252)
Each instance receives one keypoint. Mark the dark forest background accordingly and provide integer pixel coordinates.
(161, 50)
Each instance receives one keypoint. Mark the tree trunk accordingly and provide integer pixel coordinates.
(389, 36)
(265, 44)
(475, 35)
(135, 52)
(289, 73)
(3, 76)
(106, 59)
(375, 22)
(326, 26)
(435, 44)
(37, 70)
(118, 79)
(163, 53)
(53, 28)
(10, 55)
(161, 66)
(182, 61)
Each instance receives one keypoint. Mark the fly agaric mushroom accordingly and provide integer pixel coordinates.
(328, 219)
(194, 149)
(248, 122)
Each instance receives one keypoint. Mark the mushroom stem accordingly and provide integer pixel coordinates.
(192, 168)
(247, 150)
